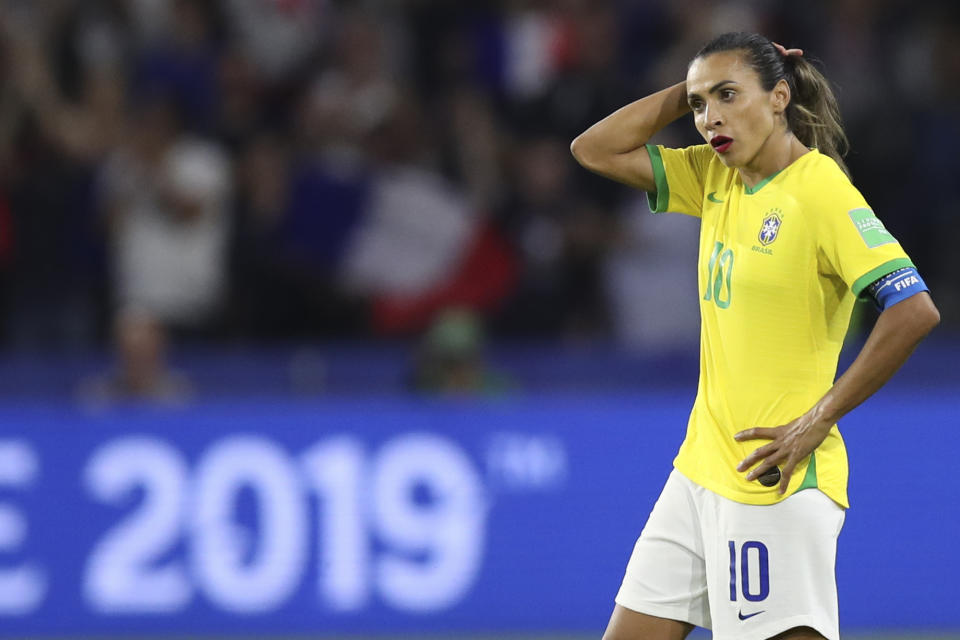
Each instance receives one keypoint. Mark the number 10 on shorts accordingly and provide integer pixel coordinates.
(761, 557)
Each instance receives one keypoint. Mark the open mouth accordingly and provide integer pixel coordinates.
(721, 144)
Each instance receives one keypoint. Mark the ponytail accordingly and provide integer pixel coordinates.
(813, 114)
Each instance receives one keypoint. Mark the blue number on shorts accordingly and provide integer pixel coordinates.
(764, 559)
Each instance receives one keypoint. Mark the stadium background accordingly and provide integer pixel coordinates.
(310, 325)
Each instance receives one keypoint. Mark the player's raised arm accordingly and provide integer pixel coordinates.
(614, 147)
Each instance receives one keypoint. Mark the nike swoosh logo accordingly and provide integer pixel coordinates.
(712, 197)
(749, 615)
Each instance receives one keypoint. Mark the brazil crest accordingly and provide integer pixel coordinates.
(770, 228)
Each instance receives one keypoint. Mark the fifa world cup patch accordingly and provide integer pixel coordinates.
(870, 228)
(770, 227)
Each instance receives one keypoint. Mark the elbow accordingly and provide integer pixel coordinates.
(927, 317)
(913, 318)
(933, 318)
(578, 151)
(584, 152)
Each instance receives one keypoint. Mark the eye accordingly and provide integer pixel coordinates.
(696, 105)
(727, 94)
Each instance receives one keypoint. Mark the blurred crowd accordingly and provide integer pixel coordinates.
(285, 170)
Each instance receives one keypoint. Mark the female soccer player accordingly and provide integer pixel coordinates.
(743, 537)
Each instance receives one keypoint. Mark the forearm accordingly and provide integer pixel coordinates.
(898, 331)
(630, 127)
(606, 147)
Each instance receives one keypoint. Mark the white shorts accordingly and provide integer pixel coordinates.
(748, 572)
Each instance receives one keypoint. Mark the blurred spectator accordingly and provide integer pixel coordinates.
(561, 239)
(277, 36)
(54, 145)
(150, 19)
(261, 298)
(353, 96)
(421, 246)
(536, 43)
(141, 372)
(182, 63)
(653, 290)
(450, 358)
(294, 216)
(587, 81)
(244, 108)
(166, 195)
(301, 202)
(475, 147)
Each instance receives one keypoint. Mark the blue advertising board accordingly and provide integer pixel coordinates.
(412, 515)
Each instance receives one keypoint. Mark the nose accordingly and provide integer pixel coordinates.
(711, 117)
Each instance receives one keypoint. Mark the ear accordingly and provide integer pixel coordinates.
(780, 97)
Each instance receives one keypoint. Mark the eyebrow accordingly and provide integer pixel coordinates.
(714, 88)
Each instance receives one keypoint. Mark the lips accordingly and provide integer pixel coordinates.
(721, 144)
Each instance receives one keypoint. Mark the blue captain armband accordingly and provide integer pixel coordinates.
(896, 287)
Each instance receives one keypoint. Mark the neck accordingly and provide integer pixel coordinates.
(777, 153)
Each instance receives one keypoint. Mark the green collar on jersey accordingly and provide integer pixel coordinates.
(760, 185)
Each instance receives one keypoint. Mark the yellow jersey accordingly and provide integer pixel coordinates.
(780, 267)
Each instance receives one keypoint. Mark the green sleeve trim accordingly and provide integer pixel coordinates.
(878, 272)
(658, 201)
(810, 479)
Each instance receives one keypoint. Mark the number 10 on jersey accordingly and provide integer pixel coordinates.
(719, 271)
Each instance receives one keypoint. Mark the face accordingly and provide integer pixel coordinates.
(730, 108)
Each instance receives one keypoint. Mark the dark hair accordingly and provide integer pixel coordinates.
(812, 114)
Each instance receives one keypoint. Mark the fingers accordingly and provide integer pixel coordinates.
(770, 457)
(787, 52)
(757, 433)
(786, 473)
(763, 467)
(755, 456)
(760, 453)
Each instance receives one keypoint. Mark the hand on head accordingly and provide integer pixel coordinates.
(788, 52)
